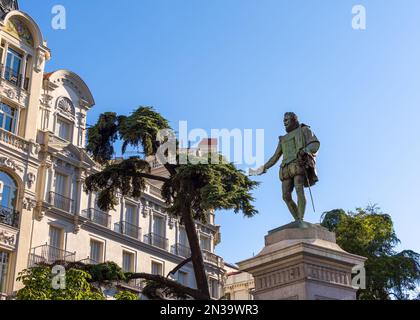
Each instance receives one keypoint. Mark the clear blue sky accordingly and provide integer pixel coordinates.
(242, 64)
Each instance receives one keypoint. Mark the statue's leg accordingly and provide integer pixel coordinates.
(287, 187)
(299, 182)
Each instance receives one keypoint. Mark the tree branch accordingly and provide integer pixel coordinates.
(196, 294)
(183, 263)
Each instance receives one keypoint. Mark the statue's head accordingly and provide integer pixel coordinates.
(291, 121)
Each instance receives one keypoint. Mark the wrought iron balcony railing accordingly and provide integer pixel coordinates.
(156, 240)
(61, 202)
(128, 229)
(49, 254)
(97, 216)
(9, 216)
(181, 250)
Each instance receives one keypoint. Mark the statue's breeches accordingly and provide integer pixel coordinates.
(291, 170)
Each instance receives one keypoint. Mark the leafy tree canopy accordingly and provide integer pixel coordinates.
(190, 189)
(38, 285)
(82, 282)
(370, 233)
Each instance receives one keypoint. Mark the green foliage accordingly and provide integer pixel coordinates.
(191, 190)
(141, 129)
(124, 176)
(369, 233)
(102, 136)
(126, 295)
(209, 187)
(194, 187)
(108, 271)
(37, 283)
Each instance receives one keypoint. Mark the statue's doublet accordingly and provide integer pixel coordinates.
(295, 141)
(291, 143)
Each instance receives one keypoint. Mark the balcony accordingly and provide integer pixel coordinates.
(61, 202)
(181, 250)
(98, 217)
(13, 140)
(14, 77)
(9, 217)
(128, 229)
(156, 241)
(154, 191)
(48, 254)
(213, 259)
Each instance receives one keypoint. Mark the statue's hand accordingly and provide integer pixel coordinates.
(260, 171)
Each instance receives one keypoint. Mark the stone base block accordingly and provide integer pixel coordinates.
(302, 262)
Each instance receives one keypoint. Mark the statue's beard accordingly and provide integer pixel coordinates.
(292, 127)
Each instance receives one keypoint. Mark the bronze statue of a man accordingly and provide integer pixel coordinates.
(299, 148)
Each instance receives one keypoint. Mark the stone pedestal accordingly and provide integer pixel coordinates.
(302, 262)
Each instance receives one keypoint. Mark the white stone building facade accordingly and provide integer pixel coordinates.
(44, 213)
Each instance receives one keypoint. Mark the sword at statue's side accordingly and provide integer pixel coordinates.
(310, 190)
(306, 166)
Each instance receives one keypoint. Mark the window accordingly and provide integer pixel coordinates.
(130, 214)
(96, 251)
(205, 243)
(183, 239)
(63, 129)
(128, 261)
(13, 67)
(8, 116)
(8, 191)
(61, 184)
(158, 226)
(56, 237)
(157, 268)
(4, 263)
(8, 197)
(183, 278)
(214, 288)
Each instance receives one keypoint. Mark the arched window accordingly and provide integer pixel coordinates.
(8, 116)
(8, 200)
(64, 119)
(8, 191)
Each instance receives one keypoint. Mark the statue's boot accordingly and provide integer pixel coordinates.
(293, 208)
